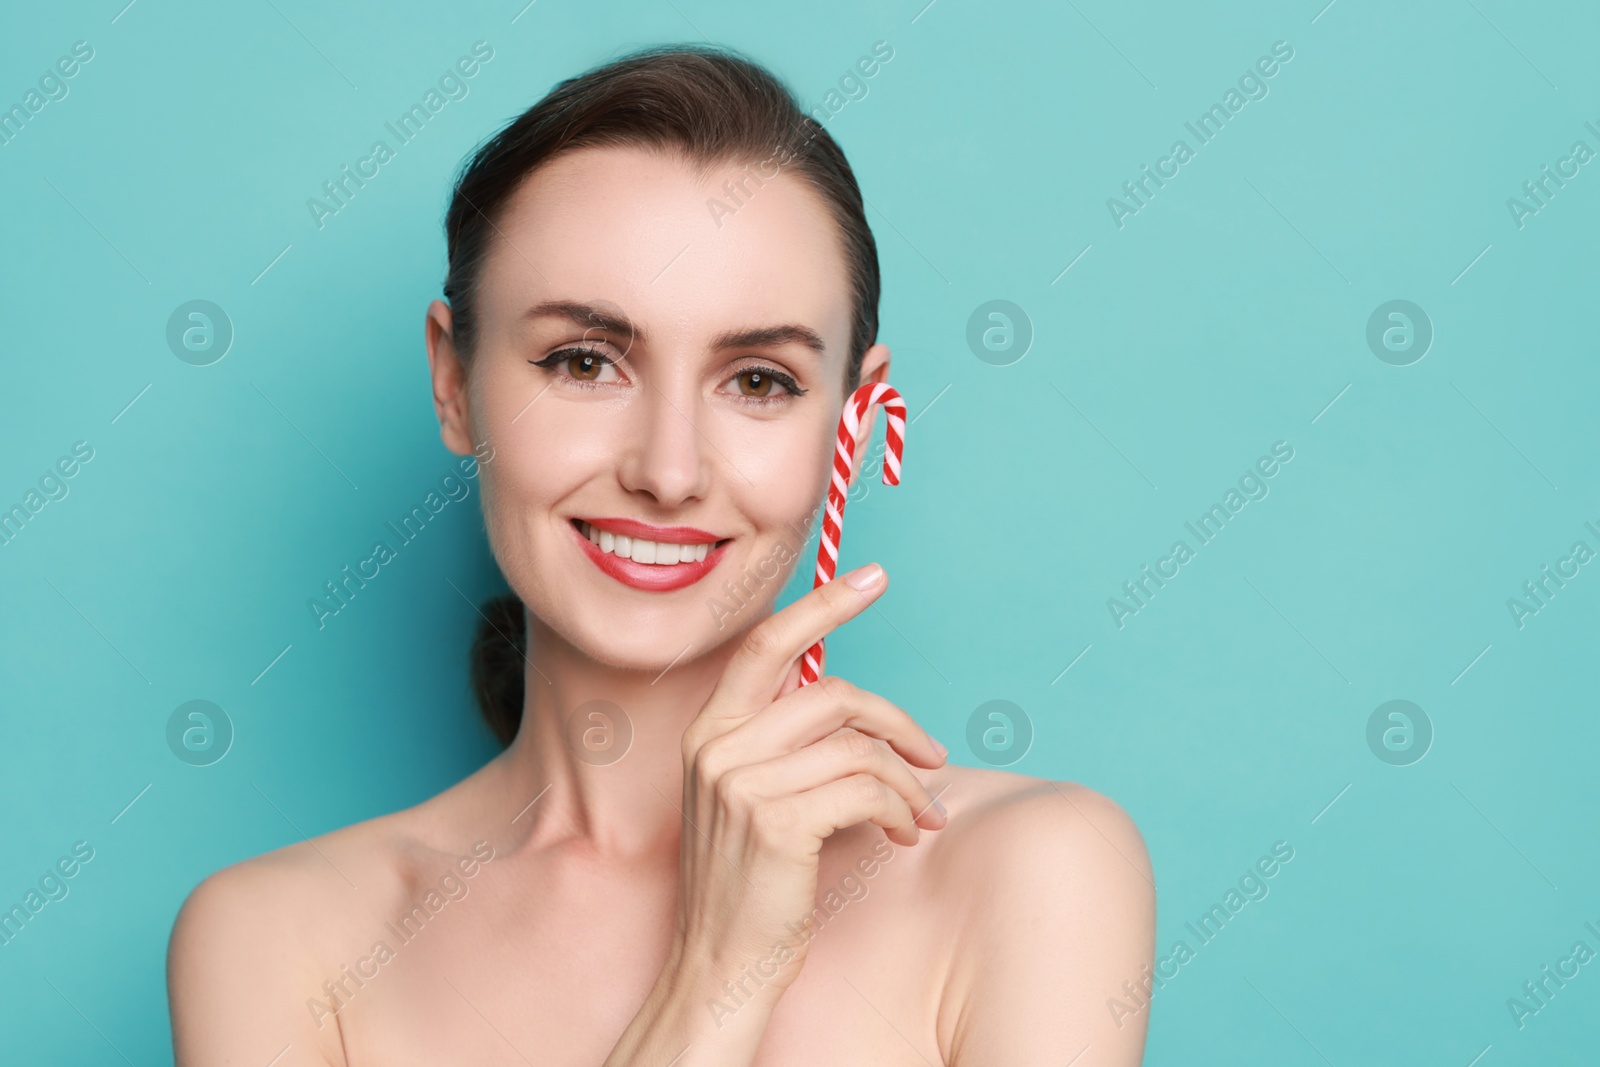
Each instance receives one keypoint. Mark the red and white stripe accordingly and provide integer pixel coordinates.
(855, 410)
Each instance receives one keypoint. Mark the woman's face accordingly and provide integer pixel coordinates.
(644, 362)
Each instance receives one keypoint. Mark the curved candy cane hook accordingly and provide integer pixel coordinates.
(855, 410)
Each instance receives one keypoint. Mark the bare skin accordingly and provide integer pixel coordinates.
(765, 877)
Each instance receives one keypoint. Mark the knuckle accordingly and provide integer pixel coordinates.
(693, 740)
(861, 747)
(775, 821)
(834, 689)
(737, 789)
(866, 788)
(760, 642)
(711, 760)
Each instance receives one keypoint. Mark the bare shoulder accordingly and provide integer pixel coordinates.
(1037, 824)
(1047, 885)
(275, 891)
(255, 939)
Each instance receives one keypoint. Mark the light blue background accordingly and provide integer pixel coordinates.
(1225, 316)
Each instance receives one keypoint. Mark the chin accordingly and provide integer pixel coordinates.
(635, 631)
(650, 658)
(647, 642)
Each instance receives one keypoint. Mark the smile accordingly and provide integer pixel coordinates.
(675, 557)
(660, 553)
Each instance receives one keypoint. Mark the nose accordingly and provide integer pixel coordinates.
(664, 453)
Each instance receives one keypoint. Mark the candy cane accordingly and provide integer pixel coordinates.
(855, 410)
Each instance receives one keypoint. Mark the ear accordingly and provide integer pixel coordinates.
(874, 368)
(449, 381)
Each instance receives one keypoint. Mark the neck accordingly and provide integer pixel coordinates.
(600, 747)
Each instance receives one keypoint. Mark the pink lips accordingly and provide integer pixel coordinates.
(684, 535)
(650, 577)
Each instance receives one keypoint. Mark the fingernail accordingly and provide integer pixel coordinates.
(937, 747)
(864, 578)
(937, 806)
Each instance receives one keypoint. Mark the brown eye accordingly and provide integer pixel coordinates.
(584, 368)
(754, 383)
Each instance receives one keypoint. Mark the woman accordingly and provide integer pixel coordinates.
(661, 288)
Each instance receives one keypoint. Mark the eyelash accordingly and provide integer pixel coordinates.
(562, 356)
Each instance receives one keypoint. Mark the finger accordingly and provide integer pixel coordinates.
(808, 715)
(842, 754)
(757, 670)
(791, 680)
(848, 801)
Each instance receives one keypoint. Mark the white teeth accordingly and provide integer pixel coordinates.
(641, 551)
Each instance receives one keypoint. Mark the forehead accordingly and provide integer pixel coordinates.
(637, 227)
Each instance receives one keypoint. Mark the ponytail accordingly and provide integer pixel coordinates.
(499, 649)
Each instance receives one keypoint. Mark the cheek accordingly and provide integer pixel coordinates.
(785, 454)
(542, 450)
(789, 464)
(786, 466)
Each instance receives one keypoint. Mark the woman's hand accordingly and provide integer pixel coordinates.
(772, 769)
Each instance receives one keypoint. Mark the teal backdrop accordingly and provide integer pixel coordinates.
(1093, 358)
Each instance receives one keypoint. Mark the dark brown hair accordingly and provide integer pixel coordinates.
(709, 104)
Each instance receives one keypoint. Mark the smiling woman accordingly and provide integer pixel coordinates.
(661, 394)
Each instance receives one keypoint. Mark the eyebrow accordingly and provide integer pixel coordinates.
(770, 337)
(590, 317)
